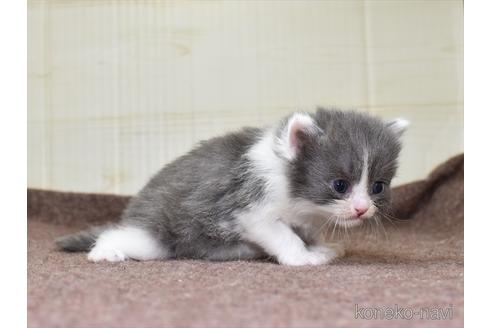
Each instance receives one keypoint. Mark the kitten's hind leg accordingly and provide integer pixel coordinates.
(127, 242)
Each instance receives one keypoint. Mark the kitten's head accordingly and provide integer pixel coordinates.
(341, 162)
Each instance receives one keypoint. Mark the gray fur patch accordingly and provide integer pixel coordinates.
(189, 204)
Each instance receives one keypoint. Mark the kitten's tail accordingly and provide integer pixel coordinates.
(81, 241)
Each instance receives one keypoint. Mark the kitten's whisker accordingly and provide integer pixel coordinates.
(320, 230)
(372, 228)
(388, 215)
(390, 219)
(334, 228)
(383, 216)
(380, 224)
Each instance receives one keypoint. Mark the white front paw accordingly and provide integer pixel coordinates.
(334, 250)
(312, 256)
(329, 252)
(98, 254)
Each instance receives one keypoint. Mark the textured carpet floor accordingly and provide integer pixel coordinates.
(416, 263)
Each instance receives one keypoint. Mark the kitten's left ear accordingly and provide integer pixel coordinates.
(298, 132)
(398, 126)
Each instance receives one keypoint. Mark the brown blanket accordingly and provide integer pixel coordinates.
(411, 263)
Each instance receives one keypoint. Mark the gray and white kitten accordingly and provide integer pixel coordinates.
(257, 193)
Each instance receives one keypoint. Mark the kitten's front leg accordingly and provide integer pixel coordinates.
(280, 241)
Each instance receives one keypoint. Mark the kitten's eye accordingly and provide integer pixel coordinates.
(340, 186)
(377, 187)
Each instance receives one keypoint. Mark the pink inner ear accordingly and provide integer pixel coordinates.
(296, 135)
(301, 128)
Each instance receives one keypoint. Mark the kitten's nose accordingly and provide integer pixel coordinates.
(360, 211)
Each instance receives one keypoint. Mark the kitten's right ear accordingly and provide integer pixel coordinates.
(398, 126)
(299, 130)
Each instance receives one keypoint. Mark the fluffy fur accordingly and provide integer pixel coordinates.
(257, 193)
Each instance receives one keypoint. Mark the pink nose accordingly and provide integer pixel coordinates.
(360, 211)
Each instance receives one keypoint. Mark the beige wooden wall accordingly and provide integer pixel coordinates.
(118, 88)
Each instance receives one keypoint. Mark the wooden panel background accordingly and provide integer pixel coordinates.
(116, 89)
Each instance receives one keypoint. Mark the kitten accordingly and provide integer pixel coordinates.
(257, 193)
